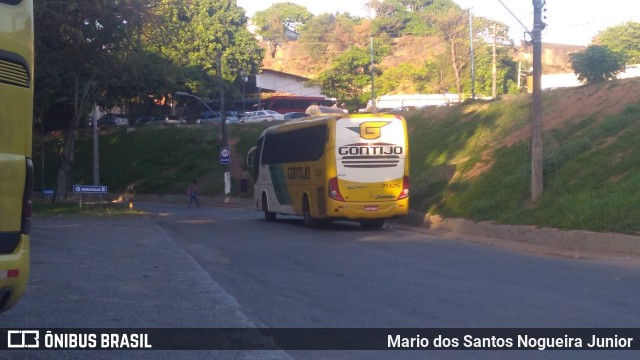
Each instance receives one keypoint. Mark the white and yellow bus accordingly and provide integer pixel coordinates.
(333, 167)
(16, 168)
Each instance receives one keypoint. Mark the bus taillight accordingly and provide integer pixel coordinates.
(405, 188)
(334, 190)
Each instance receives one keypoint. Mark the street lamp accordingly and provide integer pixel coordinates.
(182, 93)
(244, 76)
(227, 179)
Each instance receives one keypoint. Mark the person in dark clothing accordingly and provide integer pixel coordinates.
(192, 191)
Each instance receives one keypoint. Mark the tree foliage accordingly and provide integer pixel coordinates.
(328, 35)
(209, 35)
(623, 39)
(274, 21)
(117, 52)
(349, 76)
(76, 41)
(596, 64)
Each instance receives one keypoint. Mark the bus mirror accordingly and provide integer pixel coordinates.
(251, 157)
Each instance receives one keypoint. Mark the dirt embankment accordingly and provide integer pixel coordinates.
(567, 105)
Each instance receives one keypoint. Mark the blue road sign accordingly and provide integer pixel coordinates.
(90, 189)
(225, 155)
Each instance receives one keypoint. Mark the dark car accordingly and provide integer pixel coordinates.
(113, 120)
(143, 120)
(174, 120)
(156, 120)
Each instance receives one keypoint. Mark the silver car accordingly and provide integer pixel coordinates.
(262, 115)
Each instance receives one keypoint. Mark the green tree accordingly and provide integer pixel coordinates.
(407, 78)
(349, 76)
(397, 17)
(391, 17)
(274, 21)
(623, 39)
(506, 71)
(116, 52)
(76, 41)
(596, 64)
(210, 33)
(451, 22)
(328, 35)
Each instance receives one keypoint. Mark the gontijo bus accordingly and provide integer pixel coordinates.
(333, 167)
(16, 168)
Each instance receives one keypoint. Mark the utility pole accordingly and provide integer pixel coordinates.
(373, 93)
(536, 106)
(223, 127)
(494, 68)
(96, 148)
(223, 116)
(519, 75)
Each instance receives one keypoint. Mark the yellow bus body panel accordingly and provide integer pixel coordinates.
(20, 260)
(377, 182)
(16, 122)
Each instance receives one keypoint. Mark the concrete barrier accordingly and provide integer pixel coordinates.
(571, 240)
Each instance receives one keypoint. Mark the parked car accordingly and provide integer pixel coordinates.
(157, 120)
(107, 120)
(173, 120)
(143, 120)
(215, 116)
(209, 117)
(262, 115)
(295, 115)
(401, 109)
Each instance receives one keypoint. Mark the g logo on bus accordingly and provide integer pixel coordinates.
(370, 130)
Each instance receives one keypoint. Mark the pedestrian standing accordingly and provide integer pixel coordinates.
(192, 191)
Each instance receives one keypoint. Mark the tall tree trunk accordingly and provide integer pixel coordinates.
(68, 157)
(456, 70)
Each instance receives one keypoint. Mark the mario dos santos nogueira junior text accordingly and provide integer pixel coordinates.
(510, 343)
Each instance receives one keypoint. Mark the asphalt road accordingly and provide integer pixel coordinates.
(180, 267)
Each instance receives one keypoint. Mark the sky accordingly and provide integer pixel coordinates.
(571, 22)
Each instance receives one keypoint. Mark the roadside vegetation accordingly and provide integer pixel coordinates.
(92, 209)
(154, 159)
(470, 161)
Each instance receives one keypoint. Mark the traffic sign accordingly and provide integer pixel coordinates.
(225, 155)
(90, 189)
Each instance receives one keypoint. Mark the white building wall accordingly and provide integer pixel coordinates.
(282, 82)
(394, 101)
(553, 81)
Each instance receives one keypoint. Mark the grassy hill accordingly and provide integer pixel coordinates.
(468, 161)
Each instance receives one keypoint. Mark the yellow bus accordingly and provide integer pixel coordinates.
(333, 167)
(16, 168)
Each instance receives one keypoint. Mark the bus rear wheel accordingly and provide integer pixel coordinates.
(372, 224)
(309, 221)
(268, 215)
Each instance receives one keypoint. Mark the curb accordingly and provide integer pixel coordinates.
(569, 243)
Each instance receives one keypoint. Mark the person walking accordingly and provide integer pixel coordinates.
(192, 191)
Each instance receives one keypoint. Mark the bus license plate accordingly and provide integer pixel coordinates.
(371, 208)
